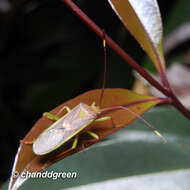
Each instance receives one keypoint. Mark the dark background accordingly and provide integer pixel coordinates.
(48, 56)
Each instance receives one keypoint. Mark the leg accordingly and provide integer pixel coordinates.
(58, 157)
(50, 116)
(64, 107)
(75, 142)
(54, 117)
(106, 118)
(92, 134)
(103, 119)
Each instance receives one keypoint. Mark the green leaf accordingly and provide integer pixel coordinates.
(134, 150)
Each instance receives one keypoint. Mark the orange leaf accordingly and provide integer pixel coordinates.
(26, 160)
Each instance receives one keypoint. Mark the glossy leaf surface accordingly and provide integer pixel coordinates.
(26, 160)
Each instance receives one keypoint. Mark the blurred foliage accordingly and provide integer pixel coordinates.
(179, 16)
(175, 16)
(49, 56)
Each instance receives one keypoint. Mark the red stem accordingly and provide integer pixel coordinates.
(166, 91)
(179, 105)
(115, 46)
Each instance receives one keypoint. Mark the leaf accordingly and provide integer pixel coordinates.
(132, 151)
(26, 160)
(142, 19)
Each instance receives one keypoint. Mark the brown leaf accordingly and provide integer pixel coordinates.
(26, 160)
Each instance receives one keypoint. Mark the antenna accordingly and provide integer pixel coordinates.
(105, 60)
(146, 122)
(139, 117)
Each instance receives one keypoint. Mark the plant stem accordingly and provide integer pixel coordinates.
(114, 46)
(179, 105)
(166, 91)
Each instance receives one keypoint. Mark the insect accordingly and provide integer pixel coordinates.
(70, 125)
(65, 128)
(75, 122)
